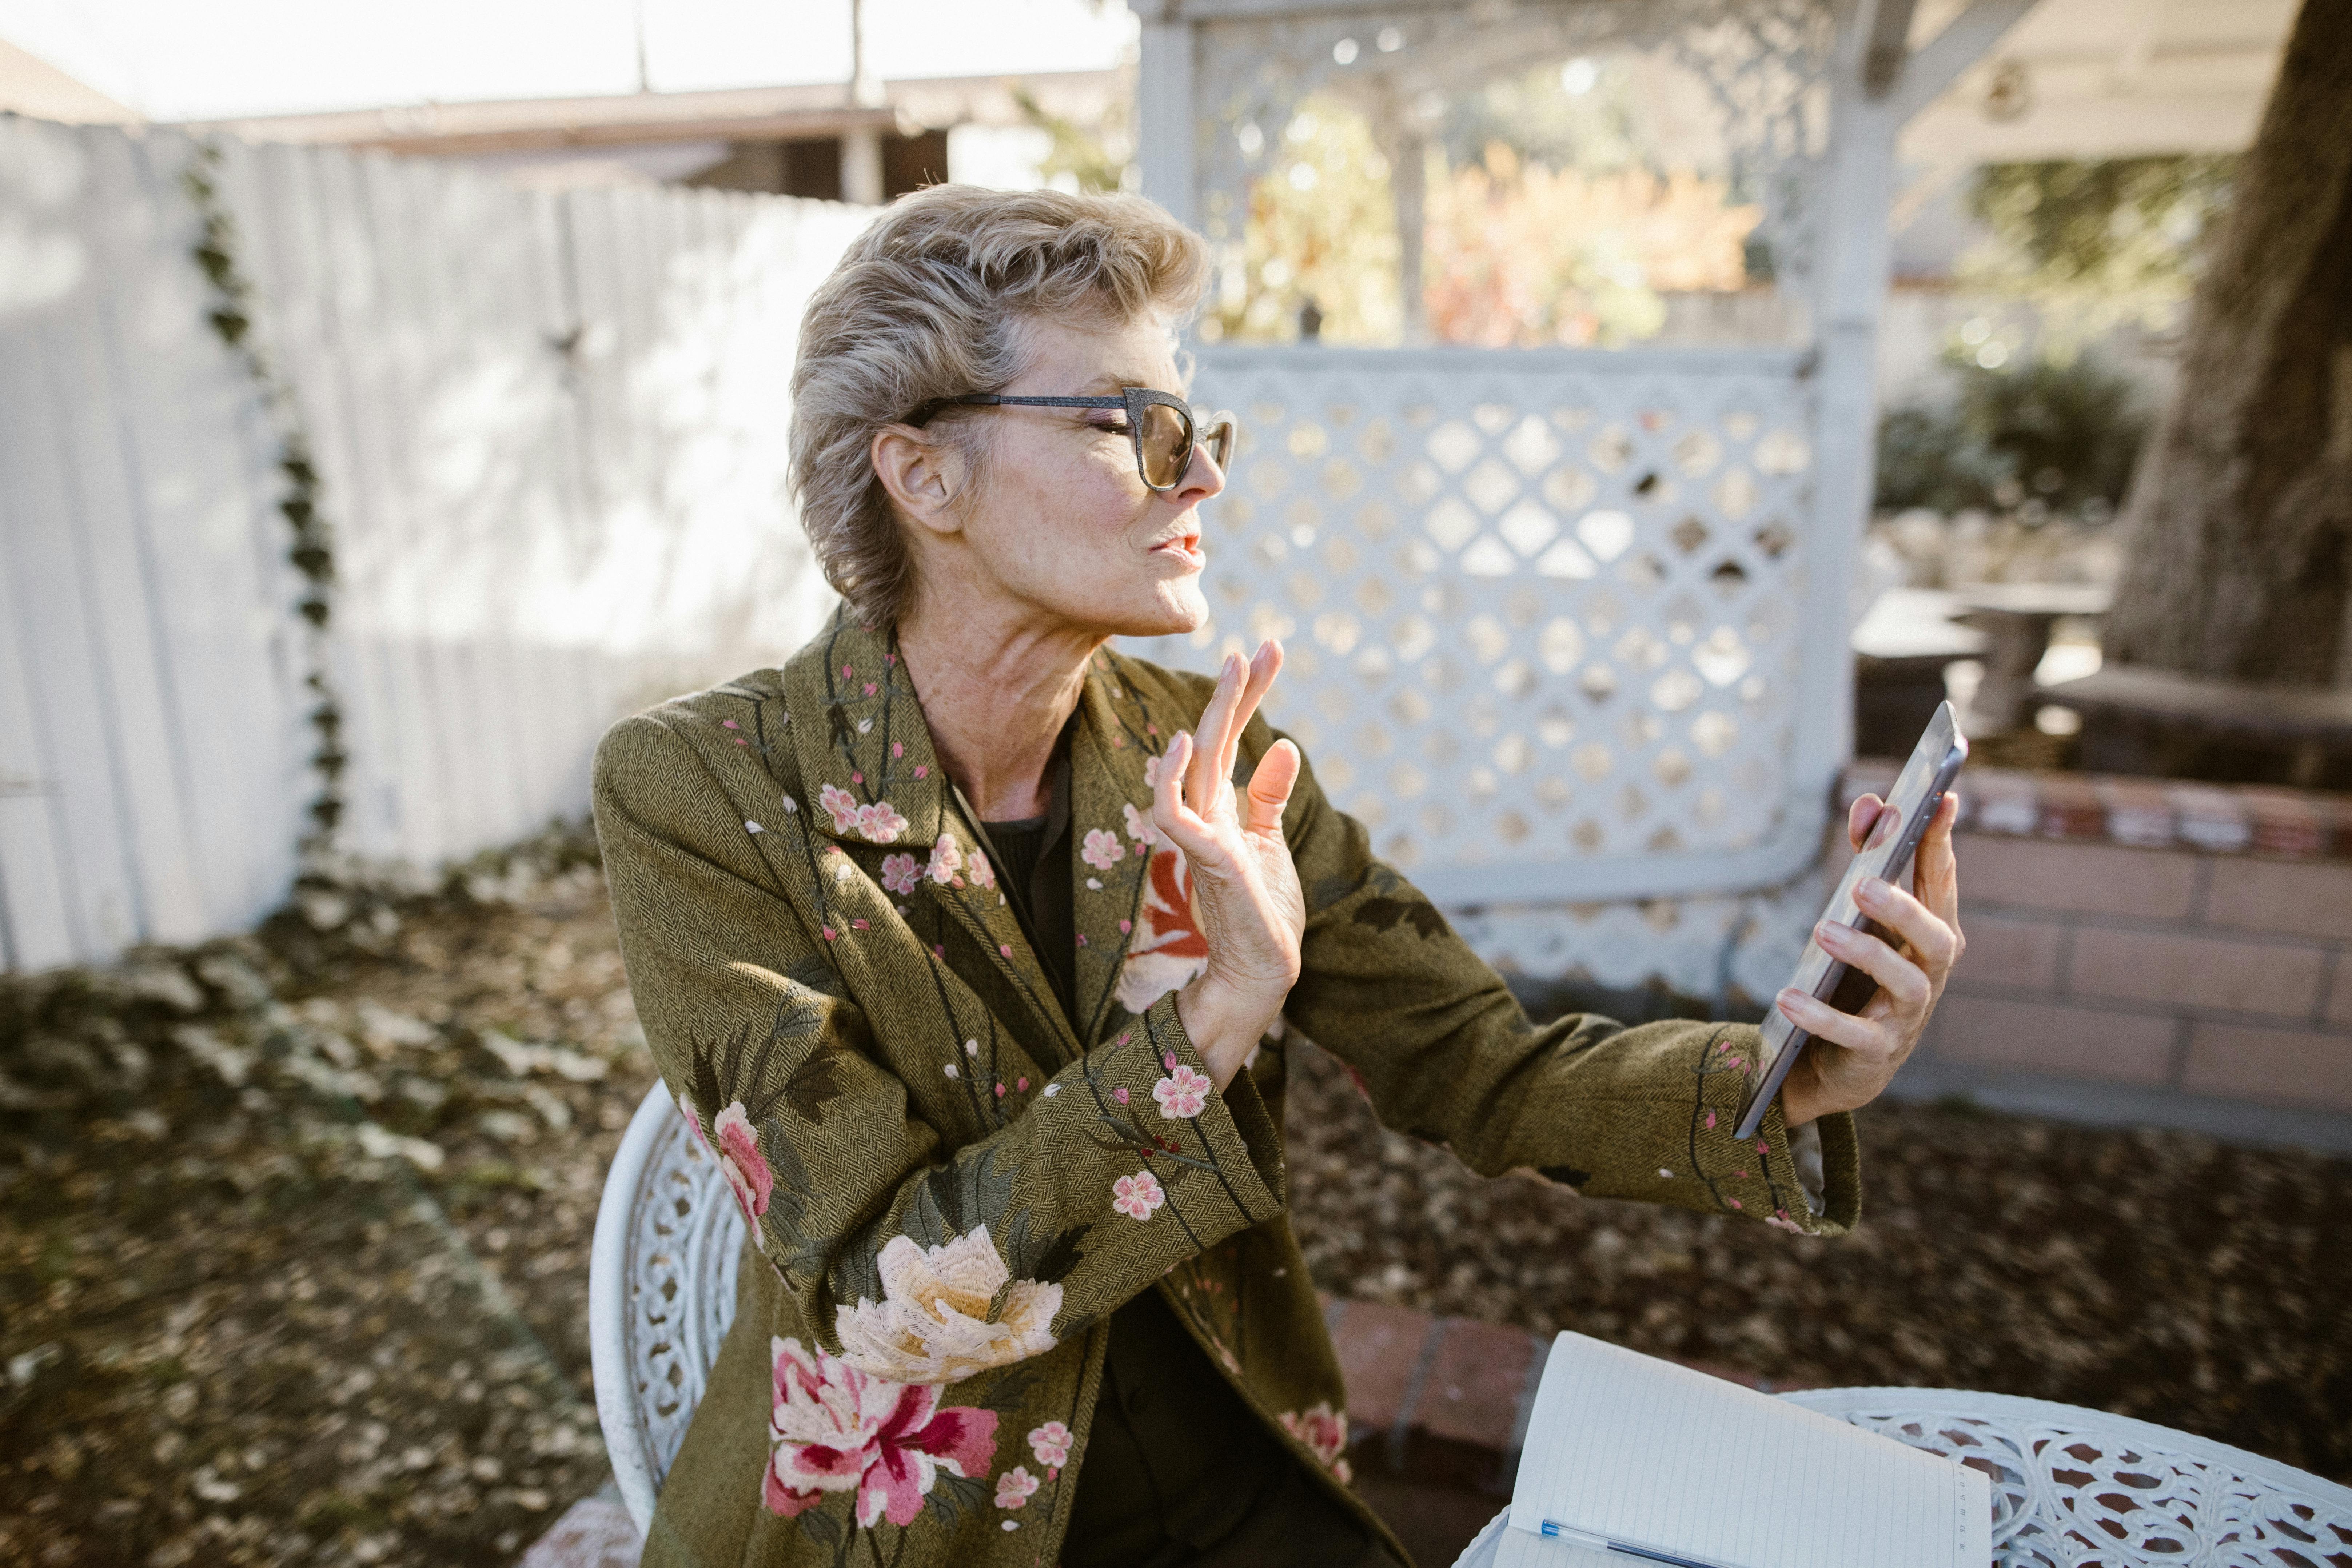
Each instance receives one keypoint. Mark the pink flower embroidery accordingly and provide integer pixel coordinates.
(1103, 850)
(880, 822)
(838, 1429)
(739, 1161)
(1151, 771)
(1015, 1487)
(1050, 1444)
(1136, 1196)
(1182, 1093)
(1167, 948)
(983, 874)
(840, 805)
(901, 873)
(1323, 1430)
(1138, 826)
(947, 859)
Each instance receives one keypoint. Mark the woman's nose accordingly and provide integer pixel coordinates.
(1203, 477)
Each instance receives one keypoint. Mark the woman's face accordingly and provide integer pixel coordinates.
(1060, 522)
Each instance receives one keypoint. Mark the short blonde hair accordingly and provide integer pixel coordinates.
(928, 303)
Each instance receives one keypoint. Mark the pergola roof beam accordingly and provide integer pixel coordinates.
(1939, 62)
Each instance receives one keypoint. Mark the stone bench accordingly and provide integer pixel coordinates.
(2141, 720)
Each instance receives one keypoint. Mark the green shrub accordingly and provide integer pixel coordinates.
(2064, 433)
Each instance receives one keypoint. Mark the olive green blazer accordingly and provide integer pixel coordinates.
(951, 1184)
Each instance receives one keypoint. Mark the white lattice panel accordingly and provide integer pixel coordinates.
(1542, 609)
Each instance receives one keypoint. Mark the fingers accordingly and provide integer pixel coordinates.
(1269, 788)
(1172, 815)
(1866, 1037)
(1936, 940)
(1902, 980)
(1936, 874)
(1860, 818)
(1264, 666)
(1201, 785)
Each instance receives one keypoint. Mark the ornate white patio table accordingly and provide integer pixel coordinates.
(2071, 1486)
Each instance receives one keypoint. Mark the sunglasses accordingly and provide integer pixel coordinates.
(1158, 423)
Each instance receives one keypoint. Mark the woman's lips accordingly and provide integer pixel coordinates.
(1184, 547)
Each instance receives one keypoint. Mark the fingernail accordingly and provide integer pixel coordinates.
(1869, 890)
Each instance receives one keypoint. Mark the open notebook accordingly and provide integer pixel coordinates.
(1682, 1467)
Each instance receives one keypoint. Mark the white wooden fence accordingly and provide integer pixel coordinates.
(549, 430)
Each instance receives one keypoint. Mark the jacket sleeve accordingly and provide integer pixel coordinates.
(921, 1243)
(1445, 1053)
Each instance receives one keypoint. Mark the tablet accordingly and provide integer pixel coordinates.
(1886, 854)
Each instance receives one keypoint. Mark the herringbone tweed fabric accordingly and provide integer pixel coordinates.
(953, 1184)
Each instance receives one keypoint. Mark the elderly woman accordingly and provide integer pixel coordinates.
(968, 945)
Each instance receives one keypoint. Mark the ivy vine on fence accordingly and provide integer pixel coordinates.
(312, 551)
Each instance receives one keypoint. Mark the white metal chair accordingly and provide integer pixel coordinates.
(661, 1293)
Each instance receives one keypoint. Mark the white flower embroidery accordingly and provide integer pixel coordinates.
(939, 1320)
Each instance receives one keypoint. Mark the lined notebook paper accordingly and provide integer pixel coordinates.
(1632, 1450)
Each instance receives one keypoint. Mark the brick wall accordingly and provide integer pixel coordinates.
(2182, 938)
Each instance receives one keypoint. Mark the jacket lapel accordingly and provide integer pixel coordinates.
(873, 778)
(1112, 763)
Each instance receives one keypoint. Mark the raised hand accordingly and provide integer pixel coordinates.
(1854, 1055)
(1252, 911)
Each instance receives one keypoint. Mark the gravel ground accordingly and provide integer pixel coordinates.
(294, 1234)
(294, 1244)
(2158, 1274)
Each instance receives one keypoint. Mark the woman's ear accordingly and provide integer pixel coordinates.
(924, 477)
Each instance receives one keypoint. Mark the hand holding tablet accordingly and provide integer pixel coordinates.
(1877, 961)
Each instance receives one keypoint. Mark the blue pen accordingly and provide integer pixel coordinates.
(1560, 1531)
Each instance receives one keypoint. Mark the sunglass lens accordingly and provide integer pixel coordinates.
(1165, 444)
(1221, 443)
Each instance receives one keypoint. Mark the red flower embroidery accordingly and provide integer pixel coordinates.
(1322, 1429)
(1168, 949)
(739, 1161)
(835, 1429)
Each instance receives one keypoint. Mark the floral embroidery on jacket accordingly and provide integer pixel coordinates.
(1138, 824)
(901, 873)
(836, 1429)
(1103, 850)
(1167, 948)
(1050, 1444)
(739, 1161)
(879, 823)
(1015, 1487)
(947, 859)
(940, 1319)
(1182, 1093)
(1324, 1430)
(1136, 1196)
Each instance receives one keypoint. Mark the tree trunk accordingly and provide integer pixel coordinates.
(2240, 565)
